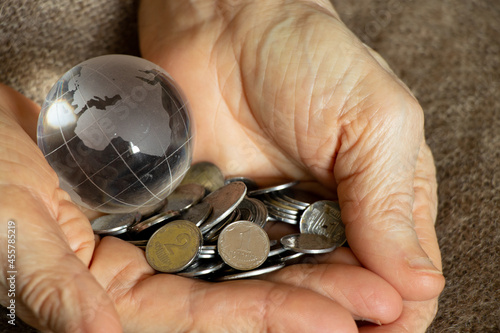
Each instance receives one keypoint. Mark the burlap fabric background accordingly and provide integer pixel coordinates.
(448, 52)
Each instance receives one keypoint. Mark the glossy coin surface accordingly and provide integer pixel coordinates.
(272, 188)
(184, 196)
(223, 202)
(174, 247)
(206, 174)
(323, 218)
(308, 243)
(243, 245)
(113, 224)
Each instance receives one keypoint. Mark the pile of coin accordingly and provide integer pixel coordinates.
(215, 228)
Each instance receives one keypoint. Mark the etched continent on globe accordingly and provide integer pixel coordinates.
(117, 131)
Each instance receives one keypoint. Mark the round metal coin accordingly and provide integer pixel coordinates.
(243, 245)
(223, 202)
(174, 246)
(206, 174)
(308, 243)
(323, 218)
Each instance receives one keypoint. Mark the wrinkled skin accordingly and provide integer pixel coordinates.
(277, 91)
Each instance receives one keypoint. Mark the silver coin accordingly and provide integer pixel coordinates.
(206, 256)
(288, 256)
(223, 202)
(276, 249)
(260, 217)
(153, 221)
(197, 213)
(243, 245)
(183, 197)
(323, 218)
(207, 251)
(276, 196)
(268, 200)
(113, 224)
(278, 217)
(202, 267)
(274, 211)
(272, 188)
(252, 273)
(247, 209)
(308, 243)
(208, 247)
(251, 184)
(206, 174)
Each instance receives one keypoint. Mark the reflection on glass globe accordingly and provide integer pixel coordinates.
(117, 131)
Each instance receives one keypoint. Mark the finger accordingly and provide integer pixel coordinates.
(416, 317)
(361, 292)
(341, 255)
(54, 289)
(425, 205)
(375, 170)
(149, 303)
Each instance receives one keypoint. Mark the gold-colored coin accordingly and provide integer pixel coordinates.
(174, 246)
(206, 174)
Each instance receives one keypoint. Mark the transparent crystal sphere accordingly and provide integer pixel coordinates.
(117, 131)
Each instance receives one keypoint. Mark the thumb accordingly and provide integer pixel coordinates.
(375, 170)
(54, 289)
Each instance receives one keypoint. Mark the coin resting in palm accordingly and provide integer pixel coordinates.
(221, 236)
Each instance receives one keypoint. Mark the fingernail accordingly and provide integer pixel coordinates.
(423, 264)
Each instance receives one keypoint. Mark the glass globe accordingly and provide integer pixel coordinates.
(117, 131)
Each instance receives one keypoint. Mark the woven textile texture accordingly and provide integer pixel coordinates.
(447, 52)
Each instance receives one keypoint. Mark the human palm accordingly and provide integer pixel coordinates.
(280, 91)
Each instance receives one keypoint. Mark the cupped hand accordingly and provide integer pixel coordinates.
(284, 90)
(68, 282)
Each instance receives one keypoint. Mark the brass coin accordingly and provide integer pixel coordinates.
(243, 245)
(174, 246)
(206, 174)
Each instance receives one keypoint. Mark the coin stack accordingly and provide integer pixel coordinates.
(215, 228)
